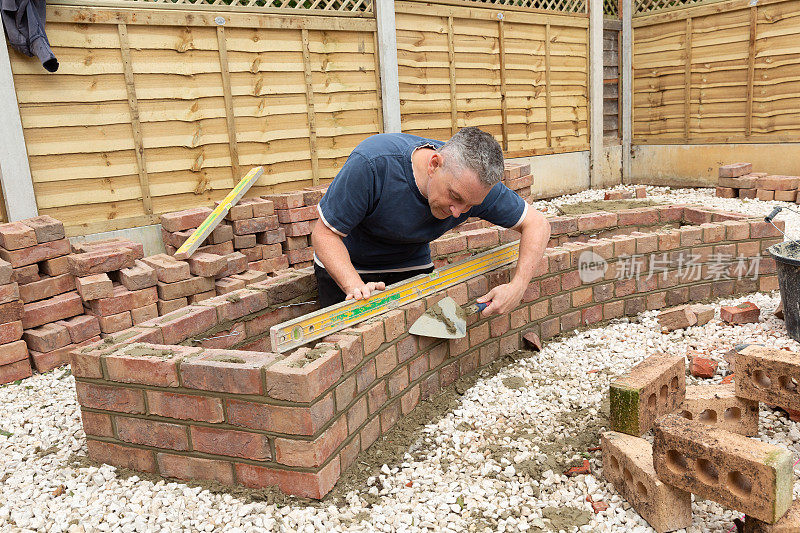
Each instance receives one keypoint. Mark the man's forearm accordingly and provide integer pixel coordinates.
(333, 254)
(532, 244)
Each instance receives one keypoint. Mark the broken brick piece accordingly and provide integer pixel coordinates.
(679, 317)
(702, 367)
(704, 313)
(532, 341)
(744, 313)
(654, 387)
(735, 471)
(628, 465)
(578, 470)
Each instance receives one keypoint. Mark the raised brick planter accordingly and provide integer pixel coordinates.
(166, 397)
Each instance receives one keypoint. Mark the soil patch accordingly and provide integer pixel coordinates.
(583, 208)
(514, 382)
(564, 518)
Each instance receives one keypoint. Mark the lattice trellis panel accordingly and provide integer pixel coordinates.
(648, 6)
(611, 9)
(353, 6)
(564, 6)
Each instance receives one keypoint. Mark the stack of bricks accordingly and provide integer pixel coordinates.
(37, 251)
(116, 287)
(257, 235)
(738, 180)
(518, 178)
(701, 445)
(250, 229)
(14, 363)
(297, 213)
(299, 419)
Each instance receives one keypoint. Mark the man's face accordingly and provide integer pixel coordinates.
(452, 192)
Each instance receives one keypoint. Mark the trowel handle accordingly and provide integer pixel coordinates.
(772, 215)
(475, 308)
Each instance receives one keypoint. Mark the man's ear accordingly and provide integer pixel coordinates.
(436, 161)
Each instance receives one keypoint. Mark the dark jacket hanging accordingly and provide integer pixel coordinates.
(23, 21)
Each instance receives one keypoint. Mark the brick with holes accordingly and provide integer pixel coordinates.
(790, 523)
(718, 406)
(628, 465)
(653, 388)
(735, 471)
(769, 375)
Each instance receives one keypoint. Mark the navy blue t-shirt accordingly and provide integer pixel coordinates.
(385, 222)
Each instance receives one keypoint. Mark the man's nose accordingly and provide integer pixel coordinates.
(456, 211)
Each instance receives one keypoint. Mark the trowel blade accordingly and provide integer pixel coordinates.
(429, 325)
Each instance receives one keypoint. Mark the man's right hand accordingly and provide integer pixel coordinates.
(364, 290)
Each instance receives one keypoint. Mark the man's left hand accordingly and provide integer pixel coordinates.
(502, 299)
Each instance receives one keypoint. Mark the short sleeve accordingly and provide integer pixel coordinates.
(350, 196)
(502, 207)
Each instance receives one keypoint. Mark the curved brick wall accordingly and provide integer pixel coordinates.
(165, 397)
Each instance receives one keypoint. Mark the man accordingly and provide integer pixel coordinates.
(396, 193)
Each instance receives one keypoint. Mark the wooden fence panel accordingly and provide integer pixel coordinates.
(727, 72)
(149, 114)
(469, 67)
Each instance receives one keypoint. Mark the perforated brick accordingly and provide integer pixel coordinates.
(628, 465)
(718, 406)
(654, 387)
(738, 472)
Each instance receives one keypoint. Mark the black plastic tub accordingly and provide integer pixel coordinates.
(787, 259)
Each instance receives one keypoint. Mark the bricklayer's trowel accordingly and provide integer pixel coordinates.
(445, 320)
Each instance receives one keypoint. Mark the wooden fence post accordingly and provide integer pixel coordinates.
(595, 92)
(387, 52)
(626, 73)
(15, 171)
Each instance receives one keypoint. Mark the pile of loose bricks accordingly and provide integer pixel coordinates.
(701, 443)
(518, 178)
(198, 395)
(739, 180)
(55, 297)
(273, 232)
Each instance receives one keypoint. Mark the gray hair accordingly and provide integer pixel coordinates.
(475, 150)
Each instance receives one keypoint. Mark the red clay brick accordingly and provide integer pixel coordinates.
(46, 338)
(98, 424)
(186, 219)
(231, 443)
(10, 332)
(101, 261)
(184, 406)
(303, 484)
(110, 398)
(56, 308)
(13, 352)
(299, 380)
(743, 313)
(280, 419)
(122, 456)
(293, 452)
(152, 433)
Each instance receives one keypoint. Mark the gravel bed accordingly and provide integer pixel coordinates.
(494, 463)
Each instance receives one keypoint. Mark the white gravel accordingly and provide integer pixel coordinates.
(477, 490)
